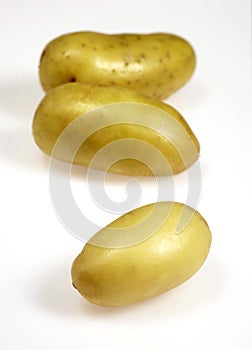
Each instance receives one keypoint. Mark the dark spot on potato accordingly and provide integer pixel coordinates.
(51, 59)
(43, 54)
(160, 60)
(111, 46)
(147, 84)
(113, 71)
(129, 82)
(137, 80)
(138, 61)
(154, 48)
(83, 45)
(67, 57)
(112, 83)
(143, 56)
(168, 54)
(72, 80)
(126, 64)
(171, 76)
(159, 84)
(94, 48)
(138, 37)
(63, 52)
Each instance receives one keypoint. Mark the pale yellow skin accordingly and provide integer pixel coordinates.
(65, 103)
(154, 64)
(120, 276)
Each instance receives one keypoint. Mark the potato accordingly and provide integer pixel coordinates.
(143, 136)
(153, 64)
(165, 257)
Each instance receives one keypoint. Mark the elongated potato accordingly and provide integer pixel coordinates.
(139, 135)
(168, 254)
(153, 64)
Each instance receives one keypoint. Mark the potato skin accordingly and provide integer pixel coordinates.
(153, 64)
(67, 102)
(119, 276)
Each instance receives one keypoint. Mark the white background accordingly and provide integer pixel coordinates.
(39, 309)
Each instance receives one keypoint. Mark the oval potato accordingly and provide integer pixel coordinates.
(166, 258)
(153, 64)
(65, 103)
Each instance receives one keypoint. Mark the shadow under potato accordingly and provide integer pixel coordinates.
(54, 293)
(20, 98)
(17, 148)
(18, 102)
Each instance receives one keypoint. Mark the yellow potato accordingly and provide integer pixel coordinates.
(163, 257)
(153, 64)
(142, 135)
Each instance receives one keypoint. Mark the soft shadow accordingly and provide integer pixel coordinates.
(55, 293)
(188, 95)
(18, 102)
(79, 173)
(20, 98)
(18, 148)
(202, 290)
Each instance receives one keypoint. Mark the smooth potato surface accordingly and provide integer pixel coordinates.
(117, 276)
(153, 64)
(65, 103)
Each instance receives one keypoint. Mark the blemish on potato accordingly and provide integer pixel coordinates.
(43, 54)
